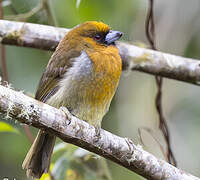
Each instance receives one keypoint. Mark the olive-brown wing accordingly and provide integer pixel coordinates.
(56, 68)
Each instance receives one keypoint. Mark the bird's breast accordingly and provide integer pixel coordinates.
(88, 86)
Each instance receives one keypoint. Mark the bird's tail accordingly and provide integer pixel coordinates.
(38, 158)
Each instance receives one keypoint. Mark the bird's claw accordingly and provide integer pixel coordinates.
(130, 145)
(97, 134)
(67, 113)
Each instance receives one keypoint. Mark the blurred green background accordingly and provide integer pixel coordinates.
(177, 32)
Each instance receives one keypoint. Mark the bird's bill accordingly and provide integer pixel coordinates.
(113, 36)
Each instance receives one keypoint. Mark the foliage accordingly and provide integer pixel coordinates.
(5, 127)
(75, 164)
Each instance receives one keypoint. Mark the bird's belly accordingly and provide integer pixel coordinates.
(89, 101)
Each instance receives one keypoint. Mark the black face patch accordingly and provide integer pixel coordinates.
(96, 35)
(100, 37)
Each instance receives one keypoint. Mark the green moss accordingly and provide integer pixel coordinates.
(15, 35)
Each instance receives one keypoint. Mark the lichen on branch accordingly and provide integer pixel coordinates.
(133, 57)
(117, 149)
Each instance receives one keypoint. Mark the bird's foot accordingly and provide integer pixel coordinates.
(67, 113)
(98, 133)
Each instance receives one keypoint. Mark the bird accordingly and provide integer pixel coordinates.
(81, 78)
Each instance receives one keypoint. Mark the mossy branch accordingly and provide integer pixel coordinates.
(75, 131)
(134, 58)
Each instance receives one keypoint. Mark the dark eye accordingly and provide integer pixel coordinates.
(98, 37)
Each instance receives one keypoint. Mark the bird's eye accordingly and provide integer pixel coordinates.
(97, 37)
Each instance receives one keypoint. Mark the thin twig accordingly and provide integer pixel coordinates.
(28, 133)
(3, 64)
(13, 9)
(150, 131)
(25, 16)
(150, 33)
(51, 19)
(3, 53)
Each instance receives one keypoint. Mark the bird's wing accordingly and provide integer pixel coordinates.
(59, 63)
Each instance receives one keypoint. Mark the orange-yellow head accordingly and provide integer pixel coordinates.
(91, 34)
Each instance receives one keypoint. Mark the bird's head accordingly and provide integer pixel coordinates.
(94, 33)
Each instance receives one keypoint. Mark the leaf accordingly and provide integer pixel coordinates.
(46, 176)
(5, 127)
(60, 168)
(59, 147)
